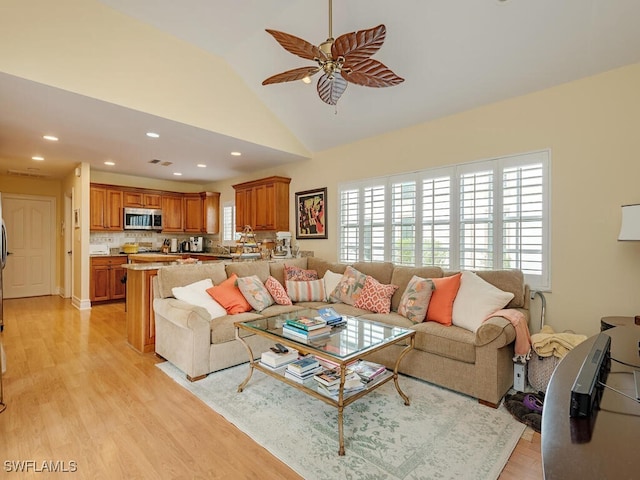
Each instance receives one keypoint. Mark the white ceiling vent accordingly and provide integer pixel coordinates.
(28, 173)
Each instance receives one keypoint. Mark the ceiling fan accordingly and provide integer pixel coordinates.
(343, 60)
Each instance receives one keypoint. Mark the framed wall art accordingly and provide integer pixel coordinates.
(311, 214)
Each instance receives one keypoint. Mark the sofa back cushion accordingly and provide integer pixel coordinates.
(247, 269)
(508, 281)
(276, 268)
(381, 271)
(321, 266)
(180, 275)
(402, 275)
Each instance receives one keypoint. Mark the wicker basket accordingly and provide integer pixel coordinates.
(539, 371)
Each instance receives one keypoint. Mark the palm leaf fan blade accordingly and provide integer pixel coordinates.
(371, 73)
(296, 45)
(358, 46)
(331, 89)
(291, 75)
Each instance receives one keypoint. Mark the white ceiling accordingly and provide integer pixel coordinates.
(454, 55)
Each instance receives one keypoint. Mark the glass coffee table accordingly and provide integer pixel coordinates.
(341, 347)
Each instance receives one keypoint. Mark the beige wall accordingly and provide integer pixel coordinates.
(590, 126)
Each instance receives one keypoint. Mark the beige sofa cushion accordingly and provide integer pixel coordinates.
(381, 271)
(402, 275)
(321, 266)
(446, 341)
(508, 281)
(180, 275)
(246, 269)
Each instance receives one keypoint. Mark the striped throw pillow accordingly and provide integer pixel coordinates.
(309, 291)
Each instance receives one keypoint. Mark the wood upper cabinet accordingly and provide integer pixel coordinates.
(106, 278)
(141, 199)
(105, 208)
(172, 213)
(202, 212)
(181, 212)
(263, 204)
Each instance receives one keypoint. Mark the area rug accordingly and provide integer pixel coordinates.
(441, 435)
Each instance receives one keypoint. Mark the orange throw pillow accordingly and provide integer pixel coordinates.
(441, 304)
(229, 296)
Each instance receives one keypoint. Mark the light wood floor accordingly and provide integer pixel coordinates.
(76, 392)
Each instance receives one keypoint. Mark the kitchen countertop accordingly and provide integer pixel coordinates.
(156, 265)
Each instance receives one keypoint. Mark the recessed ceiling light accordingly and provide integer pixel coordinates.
(177, 174)
(153, 135)
(236, 154)
(110, 163)
(37, 158)
(202, 165)
(51, 138)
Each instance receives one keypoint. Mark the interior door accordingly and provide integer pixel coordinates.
(31, 244)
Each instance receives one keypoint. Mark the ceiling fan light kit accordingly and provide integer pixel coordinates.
(344, 60)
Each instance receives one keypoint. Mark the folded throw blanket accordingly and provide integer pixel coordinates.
(523, 338)
(548, 343)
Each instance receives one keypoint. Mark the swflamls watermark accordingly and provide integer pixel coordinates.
(42, 466)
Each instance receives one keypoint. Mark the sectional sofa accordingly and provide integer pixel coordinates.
(478, 364)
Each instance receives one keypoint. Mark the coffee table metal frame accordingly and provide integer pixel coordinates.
(274, 332)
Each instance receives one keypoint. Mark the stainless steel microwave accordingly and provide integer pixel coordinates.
(142, 219)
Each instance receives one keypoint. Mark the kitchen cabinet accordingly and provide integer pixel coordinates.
(141, 325)
(106, 276)
(201, 212)
(141, 199)
(172, 213)
(105, 208)
(263, 204)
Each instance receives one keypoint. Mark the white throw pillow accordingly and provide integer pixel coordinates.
(476, 300)
(331, 281)
(196, 294)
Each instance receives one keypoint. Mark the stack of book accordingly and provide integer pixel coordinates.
(303, 369)
(368, 371)
(305, 328)
(329, 383)
(329, 315)
(276, 361)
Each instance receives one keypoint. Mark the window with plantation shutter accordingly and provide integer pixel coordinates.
(228, 223)
(436, 221)
(485, 215)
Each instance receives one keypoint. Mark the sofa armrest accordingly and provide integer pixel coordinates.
(183, 314)
(493, 328)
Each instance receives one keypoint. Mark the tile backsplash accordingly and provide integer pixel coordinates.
(115, 240)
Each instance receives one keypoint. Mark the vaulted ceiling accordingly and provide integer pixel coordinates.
(453, 55)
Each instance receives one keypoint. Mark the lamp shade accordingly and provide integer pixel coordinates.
(630, 228)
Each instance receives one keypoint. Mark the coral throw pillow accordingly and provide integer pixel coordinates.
(298, 274)
(255, 292)
(415, 299)
(349, 288)
(441, 304)
(375, 296)
(229, 296)
(277, 291)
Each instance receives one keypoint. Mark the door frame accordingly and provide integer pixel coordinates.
(53, 238)
(68, 245)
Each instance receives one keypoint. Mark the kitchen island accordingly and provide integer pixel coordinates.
(141, 328)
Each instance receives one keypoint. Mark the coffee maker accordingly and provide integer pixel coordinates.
(283, 245)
